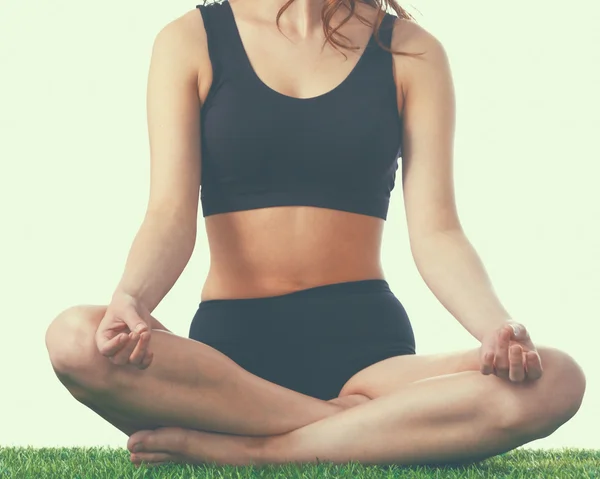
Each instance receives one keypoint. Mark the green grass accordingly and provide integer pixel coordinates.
(99, 463)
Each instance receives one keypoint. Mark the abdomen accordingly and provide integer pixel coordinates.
(271, 251)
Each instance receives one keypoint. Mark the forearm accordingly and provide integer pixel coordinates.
(159, 253)
(455, 274)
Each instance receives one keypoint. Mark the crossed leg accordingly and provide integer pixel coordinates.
(189, 384)
(462, 416)
(422, 409)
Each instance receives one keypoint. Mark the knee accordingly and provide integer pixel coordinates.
(559, 394)
(71, 344)
(568, 384)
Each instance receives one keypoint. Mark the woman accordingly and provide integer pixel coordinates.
(299, 350)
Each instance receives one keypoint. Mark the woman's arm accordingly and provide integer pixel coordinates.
(166, 238)
(455, 274)
(443, 255)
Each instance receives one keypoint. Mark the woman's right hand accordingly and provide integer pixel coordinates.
(123, 334)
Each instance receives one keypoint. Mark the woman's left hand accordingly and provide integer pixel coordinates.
(509, 353)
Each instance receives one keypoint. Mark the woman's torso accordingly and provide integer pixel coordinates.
(276, 250)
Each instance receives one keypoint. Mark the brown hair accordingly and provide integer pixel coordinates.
(332, 6)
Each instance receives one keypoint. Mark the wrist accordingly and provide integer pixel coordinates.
(122, 296)
(493, 326)
(122, 292)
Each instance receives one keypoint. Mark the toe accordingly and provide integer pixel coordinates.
(166, 439)
(169, 439)
(136, 441)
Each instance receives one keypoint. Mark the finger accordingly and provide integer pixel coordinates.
(112, 346)
(147, 360)
(521, 334)
(134, 322)
(534, 365)
(141, 349)
(122, 357)
(487, 363)
(501, 361)
(517, 368)
(518, 331)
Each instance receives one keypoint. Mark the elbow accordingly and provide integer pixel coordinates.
(422, 241)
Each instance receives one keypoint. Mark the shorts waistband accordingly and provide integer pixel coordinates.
(324, 291)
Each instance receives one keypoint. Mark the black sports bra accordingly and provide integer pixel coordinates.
(261, 148)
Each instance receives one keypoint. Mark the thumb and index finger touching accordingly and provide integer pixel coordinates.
(111, 336)
(134, 321)
(516, 332)
(520, 334)
(511, 331)
(137, 351)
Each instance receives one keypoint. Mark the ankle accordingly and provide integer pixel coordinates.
(346, 402)
(262, 450)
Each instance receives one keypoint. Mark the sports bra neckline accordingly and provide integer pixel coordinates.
(330, 93)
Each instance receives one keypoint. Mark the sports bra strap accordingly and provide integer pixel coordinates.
(221, 34)
(386, 29)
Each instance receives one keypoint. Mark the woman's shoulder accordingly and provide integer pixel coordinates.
(410, 37)
(184, 38)
(185, 30)
(430, 54)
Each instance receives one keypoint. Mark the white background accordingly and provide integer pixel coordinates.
(74, 182)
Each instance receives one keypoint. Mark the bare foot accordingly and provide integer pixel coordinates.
(173, 444)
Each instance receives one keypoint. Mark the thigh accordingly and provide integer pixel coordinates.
(189, 384)
(394, 373)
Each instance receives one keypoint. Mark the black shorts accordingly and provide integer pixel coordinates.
(311, 341)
